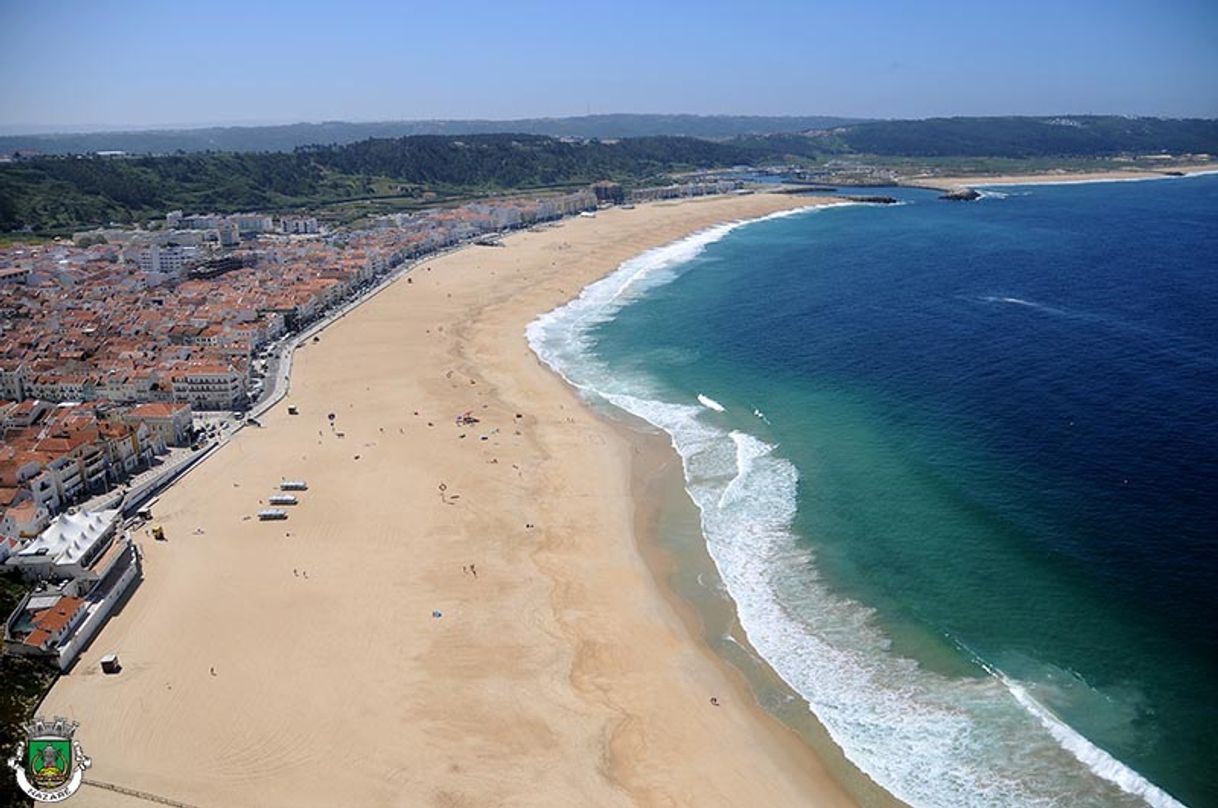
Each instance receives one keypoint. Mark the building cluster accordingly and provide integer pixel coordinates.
(684, 189)
(143, 316)
(108, 344)
(80, 567)
(436, 229)
(54, 456)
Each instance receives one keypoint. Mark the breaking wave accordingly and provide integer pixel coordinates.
(929, 739)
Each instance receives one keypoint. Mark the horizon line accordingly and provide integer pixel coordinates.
(41, 130)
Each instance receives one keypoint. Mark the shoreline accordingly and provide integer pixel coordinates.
(670, 540)
(1066, 177)
(604, 699)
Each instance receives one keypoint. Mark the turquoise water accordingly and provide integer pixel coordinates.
(957, 465)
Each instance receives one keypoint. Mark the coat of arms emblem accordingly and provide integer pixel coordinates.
(49, 764)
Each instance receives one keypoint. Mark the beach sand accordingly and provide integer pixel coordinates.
(956, 183)
(299, 662)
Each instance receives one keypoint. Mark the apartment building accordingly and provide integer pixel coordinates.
(209, 386)
(171, 261)
(170, 421)
(298, 225)
(13, 378)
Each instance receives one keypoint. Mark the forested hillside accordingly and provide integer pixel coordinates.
(71, 192)
(60, 193)
(1064, 136)
(336, 133)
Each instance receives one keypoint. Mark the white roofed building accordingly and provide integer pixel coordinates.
(73, 546)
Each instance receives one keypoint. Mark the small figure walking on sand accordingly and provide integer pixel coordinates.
(213, 671)
(714, 701)
(295, 572)
(473, 570)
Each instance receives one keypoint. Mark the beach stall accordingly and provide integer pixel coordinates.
(293, 485)
(271, 514)
(145, 511)
(283, 499)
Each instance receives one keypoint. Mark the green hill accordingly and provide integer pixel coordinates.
(62, 193)
(55, 194)
(288, 137)
(1061, 136)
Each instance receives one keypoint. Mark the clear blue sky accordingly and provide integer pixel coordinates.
(98, 62)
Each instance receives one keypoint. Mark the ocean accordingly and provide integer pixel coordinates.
(956, 464)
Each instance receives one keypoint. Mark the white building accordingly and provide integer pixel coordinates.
(253, 223)
(25, 520)
(13, 377)
(165, 260)
(298, 225)
(205, 222)
(209, 387)
(171, 422)
(72, 547)
(229, 234)
(58, 621)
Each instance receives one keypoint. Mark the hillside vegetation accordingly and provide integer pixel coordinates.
(1065, 136)
(288, 137)
(57, 193)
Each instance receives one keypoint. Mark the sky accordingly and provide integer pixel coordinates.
(81, 64)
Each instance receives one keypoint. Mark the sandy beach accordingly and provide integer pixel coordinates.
(954, 183)
(303, 663)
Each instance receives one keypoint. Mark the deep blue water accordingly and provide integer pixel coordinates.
(998, 422)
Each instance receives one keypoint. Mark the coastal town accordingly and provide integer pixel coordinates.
(128, 354)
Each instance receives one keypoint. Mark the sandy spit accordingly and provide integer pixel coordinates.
(956, 183)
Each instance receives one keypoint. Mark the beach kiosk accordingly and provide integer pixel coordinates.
(283, 499)
(110, 664)
(145, 511)
(293, 485)
(271, 514)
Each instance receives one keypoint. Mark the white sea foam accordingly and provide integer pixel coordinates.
(1019, 301)
(930, 740)
(1094, 758)
(710, 403)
